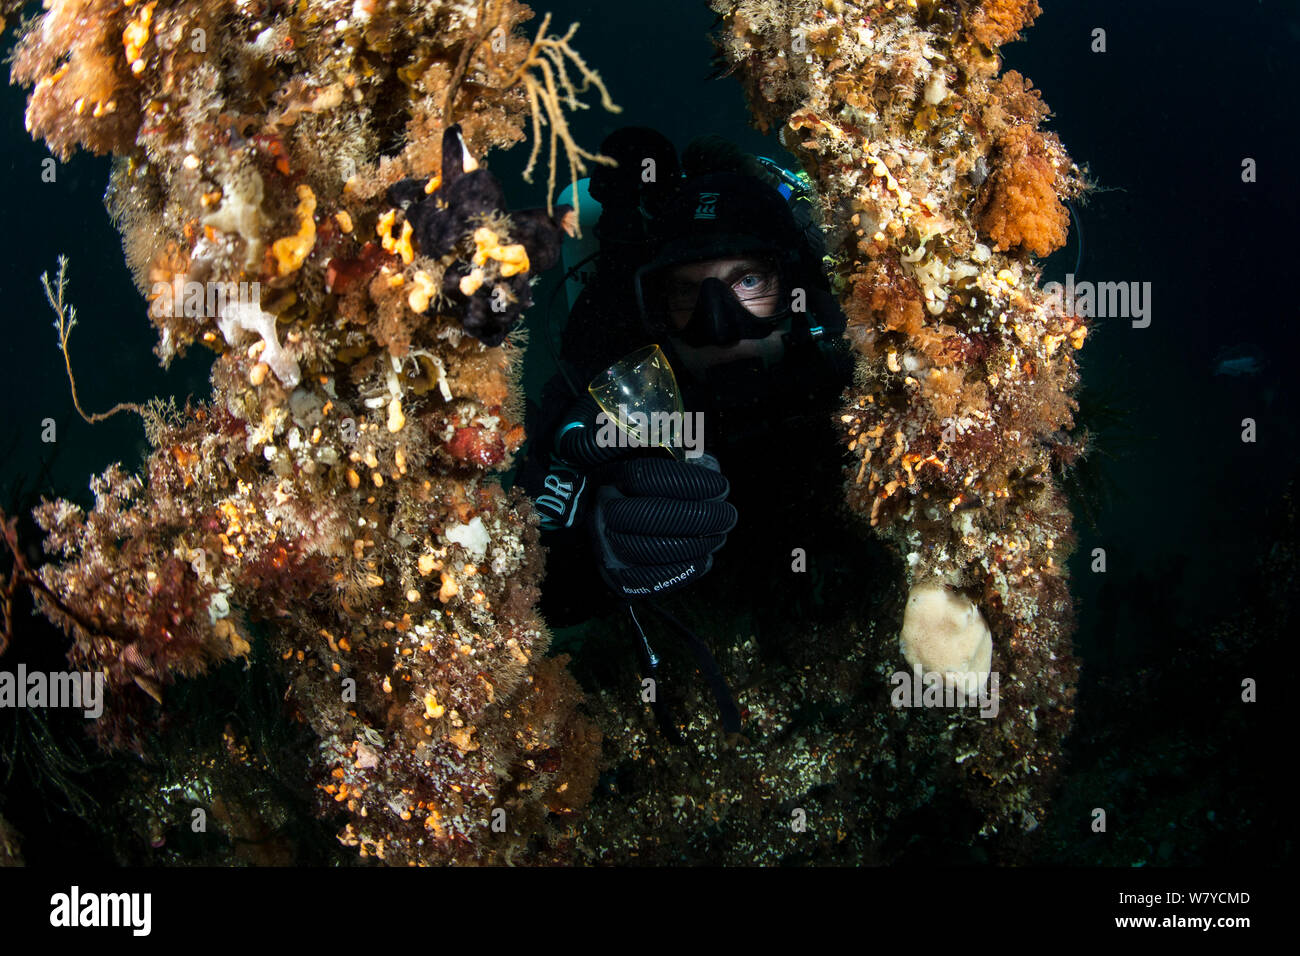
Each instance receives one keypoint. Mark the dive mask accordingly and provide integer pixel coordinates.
(694, 303)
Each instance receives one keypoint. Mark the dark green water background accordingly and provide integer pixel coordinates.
(1187, 510)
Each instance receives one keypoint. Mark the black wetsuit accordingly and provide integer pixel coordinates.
(771, 432)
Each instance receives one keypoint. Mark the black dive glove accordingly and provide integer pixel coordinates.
(655, 523)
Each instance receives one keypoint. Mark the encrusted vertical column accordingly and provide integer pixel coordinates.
(939, 189)
(299, 189)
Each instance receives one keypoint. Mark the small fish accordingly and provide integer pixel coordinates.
(1239, 361)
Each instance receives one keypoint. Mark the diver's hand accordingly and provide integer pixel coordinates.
(656, 523)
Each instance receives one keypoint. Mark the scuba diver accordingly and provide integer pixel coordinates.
(717, 260)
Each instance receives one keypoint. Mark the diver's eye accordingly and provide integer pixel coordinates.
(754, 284)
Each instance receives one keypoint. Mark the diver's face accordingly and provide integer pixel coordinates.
(753, 281)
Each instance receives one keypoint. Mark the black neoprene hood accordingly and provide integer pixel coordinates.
(721, 214)
(716, 216)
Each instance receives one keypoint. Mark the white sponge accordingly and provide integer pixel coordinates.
(943, 632)
(240, 317)
(473, 537)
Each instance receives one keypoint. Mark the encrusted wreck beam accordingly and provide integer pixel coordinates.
(298, 189)
(938, 190)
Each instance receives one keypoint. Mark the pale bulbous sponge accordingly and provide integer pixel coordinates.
(943, 632)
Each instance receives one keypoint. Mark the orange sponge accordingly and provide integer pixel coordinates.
(1021, 207)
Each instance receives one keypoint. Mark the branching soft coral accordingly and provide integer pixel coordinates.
(65, 320)
(545, 75)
